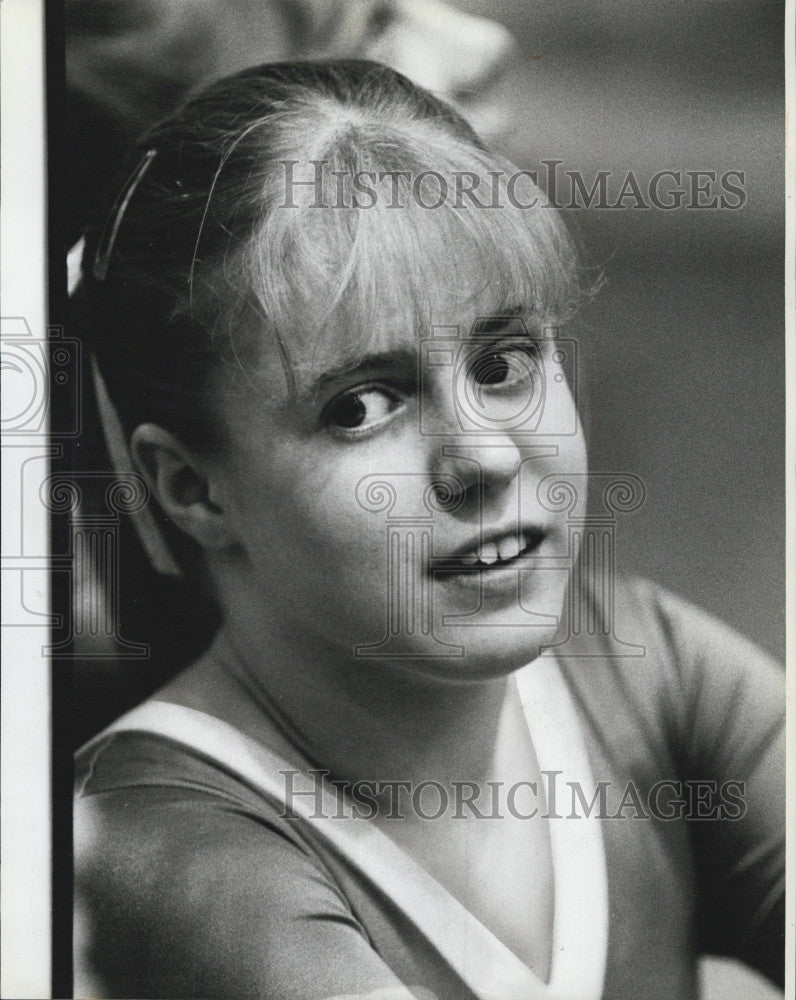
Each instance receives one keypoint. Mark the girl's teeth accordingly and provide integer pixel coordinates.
(469, 559)
(508, 547)
(488, 553)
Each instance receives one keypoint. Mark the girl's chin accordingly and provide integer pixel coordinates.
(499, 651)
(473, 633)
(467, 655)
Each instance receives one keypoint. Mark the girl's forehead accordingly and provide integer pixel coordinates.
(348, 337)
(334, 286)
(322, 344)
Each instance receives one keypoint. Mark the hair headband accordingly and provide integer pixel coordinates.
(146, 526)
(102, 257)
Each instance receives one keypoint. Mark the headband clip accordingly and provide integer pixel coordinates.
(105, 246)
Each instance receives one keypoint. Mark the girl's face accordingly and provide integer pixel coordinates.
(389, 507)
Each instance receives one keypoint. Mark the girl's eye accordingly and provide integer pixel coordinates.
(507, 365)
(359, 410)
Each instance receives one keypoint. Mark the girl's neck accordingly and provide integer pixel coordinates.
(360, 720)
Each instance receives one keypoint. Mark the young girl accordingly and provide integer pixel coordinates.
(416, 760)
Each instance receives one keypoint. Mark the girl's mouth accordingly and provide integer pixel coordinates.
(499, 552)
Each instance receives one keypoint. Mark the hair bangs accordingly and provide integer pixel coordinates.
(331, 258)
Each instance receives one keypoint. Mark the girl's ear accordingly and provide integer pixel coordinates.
(181, 485)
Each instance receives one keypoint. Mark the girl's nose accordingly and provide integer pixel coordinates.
(474, 433)
(485, 467)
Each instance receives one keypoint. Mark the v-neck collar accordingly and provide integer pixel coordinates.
(488, 967)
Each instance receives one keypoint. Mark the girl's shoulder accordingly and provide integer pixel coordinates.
(130, 759)
(629, 618)
(163, 762)
(187, 881)
(692, 646)
(639, 658)
(135, 789)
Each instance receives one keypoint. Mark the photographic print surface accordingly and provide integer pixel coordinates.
(396, 484)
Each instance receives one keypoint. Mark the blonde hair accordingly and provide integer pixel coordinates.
(218, 244)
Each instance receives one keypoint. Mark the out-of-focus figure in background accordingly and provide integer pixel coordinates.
(130, 63)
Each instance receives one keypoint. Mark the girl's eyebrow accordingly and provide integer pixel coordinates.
(500, 320)
(401, 361)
